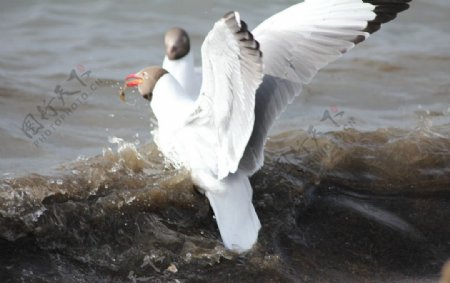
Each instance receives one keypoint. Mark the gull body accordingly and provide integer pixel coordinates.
(248, 80)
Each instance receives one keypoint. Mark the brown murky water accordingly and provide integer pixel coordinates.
(356, 186)
(339, 207)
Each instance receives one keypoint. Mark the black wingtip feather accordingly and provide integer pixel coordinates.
(386, 11)
(243, 35)
(244, 26)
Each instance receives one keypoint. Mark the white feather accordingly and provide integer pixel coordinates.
(184, 72)
(230, 80)
(231, 200)
(297, 43)
(222, 139)
(209, 135)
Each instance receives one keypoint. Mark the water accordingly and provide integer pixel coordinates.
(356, 185)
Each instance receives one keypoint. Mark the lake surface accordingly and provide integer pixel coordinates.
(357, 182)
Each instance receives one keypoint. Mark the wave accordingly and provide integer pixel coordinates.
(362, 203)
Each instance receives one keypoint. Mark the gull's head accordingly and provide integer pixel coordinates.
(177, 43)
(145, 80)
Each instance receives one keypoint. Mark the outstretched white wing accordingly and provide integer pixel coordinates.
(232, 72)
(300, 41)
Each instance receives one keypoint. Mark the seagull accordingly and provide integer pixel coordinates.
(179, 61)
(249, 78)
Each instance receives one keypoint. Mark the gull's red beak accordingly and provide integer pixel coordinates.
(133, 80)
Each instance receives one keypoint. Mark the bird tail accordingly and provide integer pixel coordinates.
(236, 217)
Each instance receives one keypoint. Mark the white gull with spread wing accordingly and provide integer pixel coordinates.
(220, 136)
